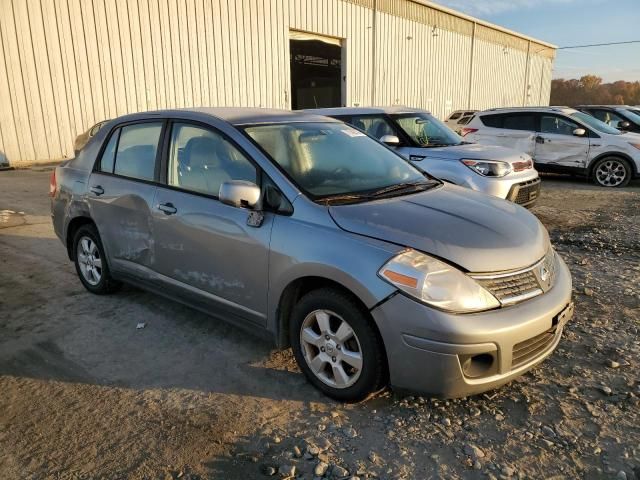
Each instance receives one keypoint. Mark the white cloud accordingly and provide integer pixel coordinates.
(487, 8)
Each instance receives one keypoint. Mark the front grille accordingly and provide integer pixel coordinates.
(510, 289)
(525, 193)
(526, 351)
(516, 286)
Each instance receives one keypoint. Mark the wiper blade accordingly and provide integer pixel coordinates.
(400, 186)
(344, 198)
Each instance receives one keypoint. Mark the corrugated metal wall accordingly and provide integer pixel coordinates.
(66, 64)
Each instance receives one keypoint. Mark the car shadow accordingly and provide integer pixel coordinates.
(51, 328)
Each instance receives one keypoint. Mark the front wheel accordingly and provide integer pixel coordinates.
(612, 172)
(337, 346)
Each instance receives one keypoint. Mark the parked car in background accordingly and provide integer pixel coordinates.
(561, 140)
(303, 229)
(434, 148)
(83, 138)
(458, 119)
(617, 116)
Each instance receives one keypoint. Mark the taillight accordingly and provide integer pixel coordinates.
(53, 185)
(465, 131)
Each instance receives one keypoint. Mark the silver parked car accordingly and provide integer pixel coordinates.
(434, 148)
(304, 229)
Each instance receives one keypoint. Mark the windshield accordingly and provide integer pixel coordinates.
(595, 123)
(334, 159)
(426, 130)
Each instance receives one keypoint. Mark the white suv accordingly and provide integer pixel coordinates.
(562, 140)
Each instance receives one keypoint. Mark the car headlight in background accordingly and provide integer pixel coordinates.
(488, 168)
(436, 283)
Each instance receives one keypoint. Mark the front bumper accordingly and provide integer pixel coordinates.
(507, 187)
(448, 355)
(525, 193)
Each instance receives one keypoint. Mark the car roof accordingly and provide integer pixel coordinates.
(605, 106)
(559, 109)
(365, 110)
(233, 115)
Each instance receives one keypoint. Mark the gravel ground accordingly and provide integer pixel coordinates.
(85, 394)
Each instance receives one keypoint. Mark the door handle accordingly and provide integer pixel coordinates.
(416, 158)
(96, 190)
(540, 139)
(167, 208)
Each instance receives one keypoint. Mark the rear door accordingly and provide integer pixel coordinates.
(512, 130)
(121, 191)
(555, 143)
(205, 249)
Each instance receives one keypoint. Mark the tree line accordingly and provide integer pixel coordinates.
(589, 90)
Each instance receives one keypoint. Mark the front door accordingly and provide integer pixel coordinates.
(121, 190)
(205, 248)
(556, 144)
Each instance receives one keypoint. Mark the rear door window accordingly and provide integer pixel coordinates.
(455, 116)
(520, 121)
(137, 150)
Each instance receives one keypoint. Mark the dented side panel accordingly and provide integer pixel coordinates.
(123, 216)
(208, 245)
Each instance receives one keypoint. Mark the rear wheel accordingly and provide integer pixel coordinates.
(90, 261)
(336, 346)
(612, 172)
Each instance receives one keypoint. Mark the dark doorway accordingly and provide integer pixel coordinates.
(316, 70)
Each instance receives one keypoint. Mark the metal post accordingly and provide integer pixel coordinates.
(526, 76)
(473, 46)
(374, 32)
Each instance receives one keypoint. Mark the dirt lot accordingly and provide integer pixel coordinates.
(84, 394)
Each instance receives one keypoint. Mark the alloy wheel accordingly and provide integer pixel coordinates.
(611, 173)
(331, 349)
(89, 260)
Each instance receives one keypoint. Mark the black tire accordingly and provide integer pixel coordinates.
(611, 182)
(106, 283)
(373, 375)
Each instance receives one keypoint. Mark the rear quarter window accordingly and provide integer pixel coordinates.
(494, 121)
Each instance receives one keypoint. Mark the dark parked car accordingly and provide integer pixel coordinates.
(621, 117)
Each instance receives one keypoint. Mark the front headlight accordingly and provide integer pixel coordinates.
(436, 283)
(637, 145)
(488, 168)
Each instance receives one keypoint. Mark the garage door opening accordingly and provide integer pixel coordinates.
(316, 71)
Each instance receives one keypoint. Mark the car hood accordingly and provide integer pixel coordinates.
(475, 151)
(470, 229)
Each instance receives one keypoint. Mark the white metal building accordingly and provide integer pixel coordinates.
(66, 64)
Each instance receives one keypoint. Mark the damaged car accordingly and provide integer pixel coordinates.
(303, 229)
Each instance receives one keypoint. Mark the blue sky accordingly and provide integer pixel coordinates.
(571, 22)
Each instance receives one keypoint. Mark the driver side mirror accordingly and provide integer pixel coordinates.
(239, 193)
(623, 125)
(390, 140)
(579, 132)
